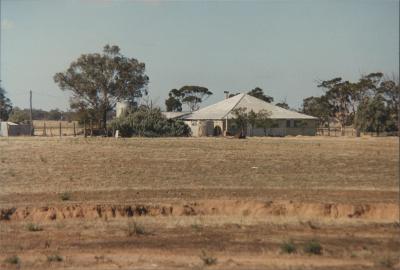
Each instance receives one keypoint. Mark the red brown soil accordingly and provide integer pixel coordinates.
(198, 199)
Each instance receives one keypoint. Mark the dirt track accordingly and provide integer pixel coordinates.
(327, 190)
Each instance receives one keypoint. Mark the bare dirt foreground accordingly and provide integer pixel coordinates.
(210, 203)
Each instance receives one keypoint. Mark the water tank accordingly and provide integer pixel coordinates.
(121, 108)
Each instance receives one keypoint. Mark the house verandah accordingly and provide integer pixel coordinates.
(278, 128)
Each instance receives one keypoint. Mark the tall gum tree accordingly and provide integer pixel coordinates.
(338, 95)
(5, 105)
(190, 95)
(99, 81)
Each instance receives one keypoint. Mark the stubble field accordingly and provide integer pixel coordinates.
(190, 203)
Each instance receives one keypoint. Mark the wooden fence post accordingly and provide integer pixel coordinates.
(60, 129)
(44, 129)
(84, 128)
(74, 130)
(91, 128)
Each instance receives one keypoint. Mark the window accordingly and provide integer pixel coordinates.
(300, 123)
(288, 123)
(274, 124)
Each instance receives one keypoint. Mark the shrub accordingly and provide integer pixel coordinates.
(13, 260)
(288, 247)
(34, 227)
(313, 247)
(149, 122)
(387, 262)
(135, 229)
(65, 196)
(54, 258)
(207, 259)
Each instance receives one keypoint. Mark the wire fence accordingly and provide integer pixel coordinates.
(65, 128)
(351, 132)
(74, 128)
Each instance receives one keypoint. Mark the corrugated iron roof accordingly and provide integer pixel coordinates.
(173, 115)
(223, 109)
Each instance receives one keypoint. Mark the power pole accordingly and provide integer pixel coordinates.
(30, 111)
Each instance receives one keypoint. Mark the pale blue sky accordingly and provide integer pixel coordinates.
(283, 47)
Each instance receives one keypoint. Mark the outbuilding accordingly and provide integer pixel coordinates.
(13, 129)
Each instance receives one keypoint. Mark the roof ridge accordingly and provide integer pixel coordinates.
(240, 99)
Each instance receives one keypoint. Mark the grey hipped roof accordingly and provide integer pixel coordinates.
(223, 109)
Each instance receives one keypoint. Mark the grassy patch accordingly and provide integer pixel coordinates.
(13, 260)
(313, 247)
(288, 247)
(32, 227)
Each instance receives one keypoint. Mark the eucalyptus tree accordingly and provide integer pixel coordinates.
(338, 95)
(360, 95)
(263, 120)
(193, 95)
(242, 119)
(99, 81)
(390, 90)
(174, 101)
(190, 95)
(259, 93)
(319, 107)
(283, 104)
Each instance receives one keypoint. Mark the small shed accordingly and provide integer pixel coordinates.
(13, 129)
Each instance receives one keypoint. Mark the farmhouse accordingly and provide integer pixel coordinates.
(216, 119)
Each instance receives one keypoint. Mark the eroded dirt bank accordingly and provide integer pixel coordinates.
(379, 212)
(239, 234)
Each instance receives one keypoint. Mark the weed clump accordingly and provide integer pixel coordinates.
(207, 258)
(13, 260)
(313, 247)
(65, 196)
(196, 227)
(54, 258)
(34, 227)
(288, 247)
(386, 262)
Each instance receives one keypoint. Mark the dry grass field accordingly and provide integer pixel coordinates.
(199, 203)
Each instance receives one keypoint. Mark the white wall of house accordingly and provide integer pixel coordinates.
(280, 127)
(284, 127)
